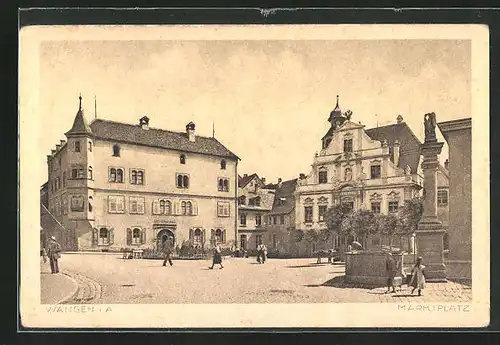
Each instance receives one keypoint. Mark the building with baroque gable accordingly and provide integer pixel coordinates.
(254, 203)
(373, 169)
(113, 185)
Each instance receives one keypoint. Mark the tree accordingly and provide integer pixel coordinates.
(410, 214)
(335, 217)
(312, 236)
(361, 223)
(389, 226)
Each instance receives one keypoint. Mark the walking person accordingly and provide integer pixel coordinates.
(391, 270)
(54, 254)
(264, 253)
(417, 277)
(167, 251)
(217, 257)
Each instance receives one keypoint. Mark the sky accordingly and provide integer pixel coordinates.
(269, 101)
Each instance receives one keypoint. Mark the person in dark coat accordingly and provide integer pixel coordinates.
(167, 251)
(217, 258)
(391, 270)
(54, 253)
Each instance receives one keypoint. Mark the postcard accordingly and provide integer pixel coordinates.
(201, 176)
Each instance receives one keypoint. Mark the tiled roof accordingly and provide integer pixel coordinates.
(243, 181)
(284, 199)
(80, 125)
(409, 149)
(134, 134)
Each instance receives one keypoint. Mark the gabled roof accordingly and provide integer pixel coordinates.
(179, 141)
(284, 199)
(409, 149)
(243, 181)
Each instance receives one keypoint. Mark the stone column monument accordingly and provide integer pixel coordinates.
(430, 231)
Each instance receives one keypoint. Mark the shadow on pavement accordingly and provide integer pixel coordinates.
(309, 265)
(339, 282)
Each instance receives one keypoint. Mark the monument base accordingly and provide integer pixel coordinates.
(430, 248)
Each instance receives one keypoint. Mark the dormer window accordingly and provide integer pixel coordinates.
(182, 159)
(223, 164)
(116, 150)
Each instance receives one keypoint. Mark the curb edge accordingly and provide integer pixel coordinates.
(72, 293)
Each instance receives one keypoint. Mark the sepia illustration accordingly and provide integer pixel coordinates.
(183, 171)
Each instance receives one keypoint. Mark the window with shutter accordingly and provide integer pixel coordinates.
(224, 236)
(191, 234)
(111, 236)
(195, 208)
(136, 236)
(120, 204)
(95, 236)
(143, 236)
(140, 205)
(204, 237)
(156, 207)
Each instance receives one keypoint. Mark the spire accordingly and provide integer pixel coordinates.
(336, 113)
(213, 129)
(337, 108)
(95, 107)
(80, 125)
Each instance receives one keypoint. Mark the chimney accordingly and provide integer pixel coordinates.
(447, 164)
(395, 152)
(190, 131)
(302, 176)
(263, 179)
(399, 119)
(279, 182)
(245, 175)
(144, 122)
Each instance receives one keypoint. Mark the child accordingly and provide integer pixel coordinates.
(417, 277)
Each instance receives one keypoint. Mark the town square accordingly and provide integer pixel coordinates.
(211, 185)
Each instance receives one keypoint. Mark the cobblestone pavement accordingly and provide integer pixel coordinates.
(110, 279)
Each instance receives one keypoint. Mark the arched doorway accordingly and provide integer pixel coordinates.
(163, 236)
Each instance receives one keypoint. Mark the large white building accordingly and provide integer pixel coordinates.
(114, 185)
(373, 169)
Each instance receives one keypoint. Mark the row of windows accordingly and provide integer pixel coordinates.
(273, 220)
(308, 213)
(77, 146)
(375, 173)
(251, 201)
(393, 207)
(243, 219)
(137, 236)
(167, 207)
(116, 175)
(117, 149)
(199, 236)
